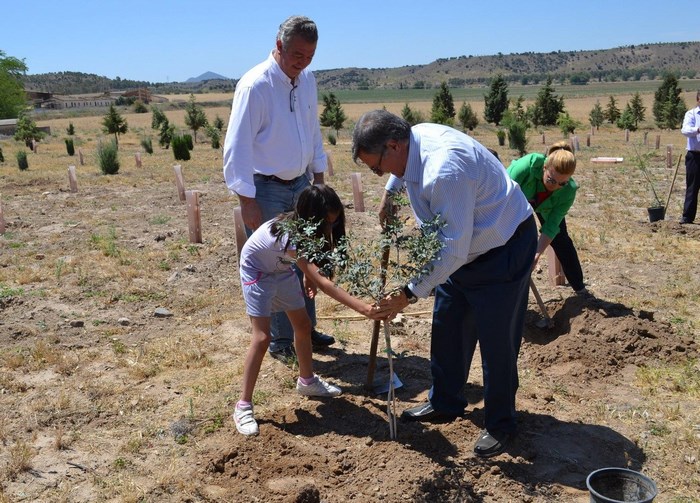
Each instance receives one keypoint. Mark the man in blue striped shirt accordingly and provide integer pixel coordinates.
(482, 275)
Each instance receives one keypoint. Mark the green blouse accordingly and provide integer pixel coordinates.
(528, 173)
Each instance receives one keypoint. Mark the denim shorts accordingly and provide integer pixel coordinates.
(265, 294)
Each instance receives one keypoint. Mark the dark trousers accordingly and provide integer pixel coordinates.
(565, 251)
(483, 301)
(692, 185)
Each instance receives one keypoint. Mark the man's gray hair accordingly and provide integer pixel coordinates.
(374, 129)
(297, 26)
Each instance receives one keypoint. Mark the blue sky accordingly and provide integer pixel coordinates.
(165, 41)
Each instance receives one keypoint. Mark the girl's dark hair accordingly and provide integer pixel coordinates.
(314, 205)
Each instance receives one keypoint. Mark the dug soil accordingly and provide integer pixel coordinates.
(123, 344)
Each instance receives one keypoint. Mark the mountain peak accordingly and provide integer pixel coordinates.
(207, 76)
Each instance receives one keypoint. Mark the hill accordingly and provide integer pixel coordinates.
(207, 76)
(647, 61)
(621, 63)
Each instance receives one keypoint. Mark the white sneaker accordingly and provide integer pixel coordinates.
(318, 387)
(245, 422)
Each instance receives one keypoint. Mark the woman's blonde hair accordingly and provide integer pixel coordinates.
(561, 158)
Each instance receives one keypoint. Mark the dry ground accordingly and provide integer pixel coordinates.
(100, 400)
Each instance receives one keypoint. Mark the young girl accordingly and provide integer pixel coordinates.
(270, 285)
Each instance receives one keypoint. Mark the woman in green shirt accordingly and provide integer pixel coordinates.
(547, 184)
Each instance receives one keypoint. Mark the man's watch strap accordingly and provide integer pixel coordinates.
(410, 296)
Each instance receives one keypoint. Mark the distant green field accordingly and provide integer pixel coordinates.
(528, 92)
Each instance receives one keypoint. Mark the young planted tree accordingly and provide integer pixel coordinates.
(637, 109)
(496, 101)
(612, 113)
(547, 107)
(443, 110)
(114, 123)
(626, 119)
(466, 117)
(195, 118)
(157, 118)
(12, 97)
(669, 108)
(27, 130)
(413, 117)
(567, 125)
(596, 116)
(219, 123)
(108, 157)
(70, 130)
(377, 268)
(332, 115)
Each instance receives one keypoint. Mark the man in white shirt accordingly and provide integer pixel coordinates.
(481, 277)
(691, 130)
(273, 146)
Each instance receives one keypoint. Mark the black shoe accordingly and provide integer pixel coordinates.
(488, 445)
(425, 412)
(685, 221)
(319, 340)
(286, 355)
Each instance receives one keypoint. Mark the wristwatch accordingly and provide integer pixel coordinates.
(410, 296)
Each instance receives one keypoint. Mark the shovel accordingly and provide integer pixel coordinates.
(546, 321)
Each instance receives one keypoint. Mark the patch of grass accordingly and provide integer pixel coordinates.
(678, 379)
(7, 292)
(159, 220)
(260, 397)
(106, 243)
(20, 459)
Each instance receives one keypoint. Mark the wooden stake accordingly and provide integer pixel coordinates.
(588, 140)
(72, 179)
(627, 135)
(330, 165)
(241, 236)
(669, 156)
(180, 182)
(668, 198)
(80, 155)
(137, 157)
(193, 216)
(544, 141)
(357, 193)
(578, 147)
(658, 141)
(646, 133)
(556, 274)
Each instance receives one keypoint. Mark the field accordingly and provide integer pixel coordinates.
(102, 400)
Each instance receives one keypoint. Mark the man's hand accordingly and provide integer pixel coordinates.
(250, 212)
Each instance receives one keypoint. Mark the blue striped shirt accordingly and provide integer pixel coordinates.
(450, 174)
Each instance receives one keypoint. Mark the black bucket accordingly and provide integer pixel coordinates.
(657, 213)
(620, 485)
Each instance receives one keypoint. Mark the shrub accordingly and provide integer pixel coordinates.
(70, 147)
(2, 157)
(107, 157)
(331, 138)
(22, 162)
(180, 150)
(214, 135)
(501, 134)
(147, 145)
(188, 141)
(139, 107)
(71, 129)
(517, 136)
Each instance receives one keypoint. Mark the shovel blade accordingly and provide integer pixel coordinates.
(381, 384)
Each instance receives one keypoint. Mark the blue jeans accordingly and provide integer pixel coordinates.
(483, 301)
(275, 198)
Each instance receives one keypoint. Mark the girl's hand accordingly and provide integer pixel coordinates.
(310, 288)
(376, 312)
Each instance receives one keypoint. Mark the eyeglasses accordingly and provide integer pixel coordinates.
(552, 181)
(377, 170)
(292, 99)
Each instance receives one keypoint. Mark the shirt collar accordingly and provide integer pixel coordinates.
(413, 162)
(277, 72)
